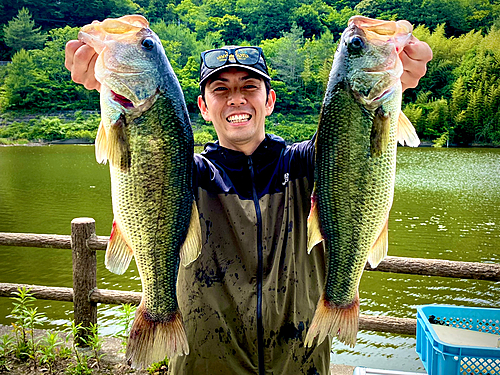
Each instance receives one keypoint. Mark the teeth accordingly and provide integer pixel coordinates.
(238, 118)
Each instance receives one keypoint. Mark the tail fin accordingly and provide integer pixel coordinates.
(151, 341)
(333, 320)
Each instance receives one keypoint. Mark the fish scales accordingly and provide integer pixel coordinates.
(146, 136)
(360, 125)
(153, 200)
(354, 193)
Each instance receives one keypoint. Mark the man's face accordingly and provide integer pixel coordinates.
(237, 105)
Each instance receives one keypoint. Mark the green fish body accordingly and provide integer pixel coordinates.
(146, 136)
(360, 125)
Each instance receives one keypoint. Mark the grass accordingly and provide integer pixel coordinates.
(24, 352)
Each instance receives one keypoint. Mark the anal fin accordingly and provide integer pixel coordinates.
(314, 235)
(191, 249)
(118, 253)
(379, 249)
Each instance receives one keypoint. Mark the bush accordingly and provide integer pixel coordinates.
(203, 137)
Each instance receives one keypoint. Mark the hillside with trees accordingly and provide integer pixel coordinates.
(457, 100)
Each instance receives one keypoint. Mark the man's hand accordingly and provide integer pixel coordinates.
(414, 57)
(80, 61)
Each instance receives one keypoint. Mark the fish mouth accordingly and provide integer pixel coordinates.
(239, 118)
(120, 99)
(384, 95)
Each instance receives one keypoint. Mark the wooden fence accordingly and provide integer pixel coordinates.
(85, 295)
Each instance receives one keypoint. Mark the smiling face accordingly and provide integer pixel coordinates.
(237, 104)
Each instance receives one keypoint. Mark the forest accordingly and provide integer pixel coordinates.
(457, 101)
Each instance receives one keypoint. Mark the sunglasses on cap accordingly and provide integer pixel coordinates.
(216, 58)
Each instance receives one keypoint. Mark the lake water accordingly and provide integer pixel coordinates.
(446, 206)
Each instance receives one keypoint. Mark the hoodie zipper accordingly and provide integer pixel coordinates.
(260, 327)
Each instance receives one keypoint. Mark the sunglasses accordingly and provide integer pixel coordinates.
(216, 58)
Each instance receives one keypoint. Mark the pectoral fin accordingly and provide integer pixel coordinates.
(101, 145)
(379, 249)
(406, 132)
(112, 144)
(118, 253)
(379, 137)
(191, 248)
(314, 235)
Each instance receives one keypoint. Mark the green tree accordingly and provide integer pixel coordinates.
(158, 10)
(265, 19)
(318, 53)
(38, 78)
(118, 8)
(191, 14)
(453, 13)
(188, 78)
(230, 28)
(336, 21)
(219, 8)
(24, 82)
(180, 41)
(307, 17)
(64, 93)
(20, 33)
(286, 63)
(458, 101)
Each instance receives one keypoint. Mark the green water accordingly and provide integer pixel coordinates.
(446, 206)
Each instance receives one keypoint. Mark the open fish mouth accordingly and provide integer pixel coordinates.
(122, 100)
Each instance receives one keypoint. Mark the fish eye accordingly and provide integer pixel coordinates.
(148, 44)
(356, 44)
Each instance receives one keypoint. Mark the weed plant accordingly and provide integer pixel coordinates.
(48, 351)
(159, 368)
(126, 316)
(26, 347)
(6, 344)
(95, 343)
(81, 367)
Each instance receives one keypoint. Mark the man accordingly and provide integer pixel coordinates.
(248, 300)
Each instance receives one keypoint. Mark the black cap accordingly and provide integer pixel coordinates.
(260, 67)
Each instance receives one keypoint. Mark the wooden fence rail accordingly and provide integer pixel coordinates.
(85, 295)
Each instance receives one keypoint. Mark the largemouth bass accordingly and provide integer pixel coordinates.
(146, 136)
(360, 124)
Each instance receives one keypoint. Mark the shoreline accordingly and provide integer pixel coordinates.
(85, 142)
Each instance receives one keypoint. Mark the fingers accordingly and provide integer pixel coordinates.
(414, 57)
(80, 61)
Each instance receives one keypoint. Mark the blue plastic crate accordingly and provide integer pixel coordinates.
(441, 358)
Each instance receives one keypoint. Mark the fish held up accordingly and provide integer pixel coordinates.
(145, 135)
(359, 127)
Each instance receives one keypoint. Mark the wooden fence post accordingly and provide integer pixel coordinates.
(84, 275)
